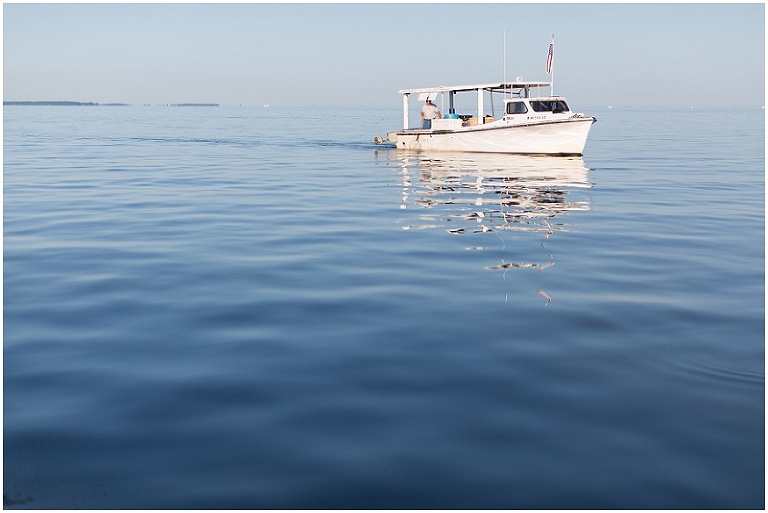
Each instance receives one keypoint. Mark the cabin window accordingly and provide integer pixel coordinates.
(554, 106)
(516, 108)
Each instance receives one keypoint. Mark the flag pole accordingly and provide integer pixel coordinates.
(551, 66)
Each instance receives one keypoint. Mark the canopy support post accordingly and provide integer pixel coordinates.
(405, 111)
(480, 117)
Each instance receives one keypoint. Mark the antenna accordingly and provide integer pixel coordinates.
(505, 59)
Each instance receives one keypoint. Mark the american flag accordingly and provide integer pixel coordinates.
(549, 55)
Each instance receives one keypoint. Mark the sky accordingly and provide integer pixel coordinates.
(317, 54)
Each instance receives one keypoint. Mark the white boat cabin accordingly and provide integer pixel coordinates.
(519, 98)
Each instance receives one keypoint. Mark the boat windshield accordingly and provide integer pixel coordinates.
(554, 106)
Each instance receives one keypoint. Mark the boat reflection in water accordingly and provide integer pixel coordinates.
(473, 193)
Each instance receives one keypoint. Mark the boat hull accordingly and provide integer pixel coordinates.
(561, 137)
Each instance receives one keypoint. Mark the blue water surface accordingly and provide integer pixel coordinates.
(229, 308)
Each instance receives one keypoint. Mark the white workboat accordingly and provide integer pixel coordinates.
(530, 124)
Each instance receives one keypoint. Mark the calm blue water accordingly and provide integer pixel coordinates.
(259, 308)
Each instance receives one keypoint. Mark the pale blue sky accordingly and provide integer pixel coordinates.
(625, 55)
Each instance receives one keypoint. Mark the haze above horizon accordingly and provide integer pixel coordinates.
(623, 55)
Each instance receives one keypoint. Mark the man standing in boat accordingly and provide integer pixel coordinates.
(428, 113)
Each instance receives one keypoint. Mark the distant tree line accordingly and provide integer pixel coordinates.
(92, 104)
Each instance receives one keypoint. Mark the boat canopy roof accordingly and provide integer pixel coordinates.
(495, 86)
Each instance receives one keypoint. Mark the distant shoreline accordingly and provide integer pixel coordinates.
(92, 104)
